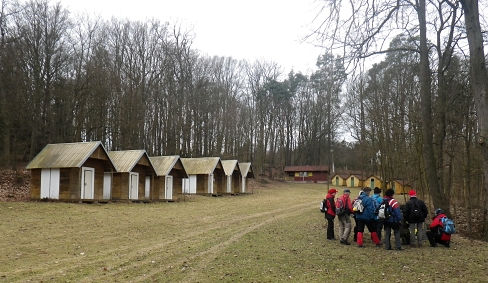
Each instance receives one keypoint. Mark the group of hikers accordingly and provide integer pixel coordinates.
(377, 213)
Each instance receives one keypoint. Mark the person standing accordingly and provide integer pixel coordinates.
(415, 213)
(366, 218)
(331, 213)
(436, 234)
(345, 217)
(393, 222)
(378, 222)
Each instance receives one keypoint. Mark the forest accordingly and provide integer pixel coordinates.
(415, 114)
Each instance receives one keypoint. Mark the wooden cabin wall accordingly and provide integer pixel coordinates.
(220, 181)
(236, 180)
(35, 190)
(202, 184)
(156, 187)
(70, 183)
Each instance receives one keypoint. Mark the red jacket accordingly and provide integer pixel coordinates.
(346, 200)
(436, 224)
(331, 209)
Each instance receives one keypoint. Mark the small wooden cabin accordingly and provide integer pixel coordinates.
(373, 181)
(339, 179)
(71, 172)
(247, 172)
(307, 173)
(401, 186)
(232, 182)
(205, 176)
(354, 181)
(169, 177)
(134, 176)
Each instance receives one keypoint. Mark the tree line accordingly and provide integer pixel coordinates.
(141, 85)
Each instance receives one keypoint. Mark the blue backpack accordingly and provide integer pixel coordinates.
(448, 226)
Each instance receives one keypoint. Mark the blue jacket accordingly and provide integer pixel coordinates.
(395, 209)
(379, 200)
(368, 213)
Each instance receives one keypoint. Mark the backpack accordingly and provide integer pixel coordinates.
(448, 226)
(358, 205)
(415, 212)
(323, 206)
(340, 207)
(384, 211)
(376, 205)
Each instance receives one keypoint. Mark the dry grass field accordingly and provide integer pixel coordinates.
(275, 234)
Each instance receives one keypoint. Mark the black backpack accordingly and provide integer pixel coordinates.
(384, 211)
(416, 215)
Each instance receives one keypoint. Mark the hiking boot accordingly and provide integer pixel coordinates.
(379, 245)
(400, 249)
(360, 246)
(413, 245)
(346, 243)
(447, 245)
(420, 245)
(388, 249)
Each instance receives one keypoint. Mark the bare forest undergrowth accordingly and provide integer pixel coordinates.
(15, 187)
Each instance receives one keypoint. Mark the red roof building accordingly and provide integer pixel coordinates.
(307, 173)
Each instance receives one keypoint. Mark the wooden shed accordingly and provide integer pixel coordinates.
(134, 176)
(339, 179)
(354, 181)
(205, 176)
(169, 177)
(401, 186)
(71, 172)
(247, 172)
(373, 181)
(232, 182)
(307, 173)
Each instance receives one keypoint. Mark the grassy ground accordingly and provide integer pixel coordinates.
(276, 234)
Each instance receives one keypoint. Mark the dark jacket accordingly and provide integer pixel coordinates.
(409, 207)
(396, 216)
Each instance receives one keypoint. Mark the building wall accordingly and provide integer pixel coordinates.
(35, 189)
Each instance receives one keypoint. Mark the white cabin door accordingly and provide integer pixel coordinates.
(193, 184)
(168, 193)
(87, 183)
(147, 187)
(243, 184)
(229, 184)
(133, 185)
(185, 186)
(50, 183)
(210, 183)
(107, 185)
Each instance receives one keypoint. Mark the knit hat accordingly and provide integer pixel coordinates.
(347, 191)
(332, 191)
(389, 192)
(412, 194)
(377, 190)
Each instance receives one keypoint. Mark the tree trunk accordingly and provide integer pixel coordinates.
(478, 80)
(431, 175)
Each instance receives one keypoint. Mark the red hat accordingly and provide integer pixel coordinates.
(412, 194)
(332, 191)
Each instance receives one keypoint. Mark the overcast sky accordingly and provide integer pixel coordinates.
(251, 29)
